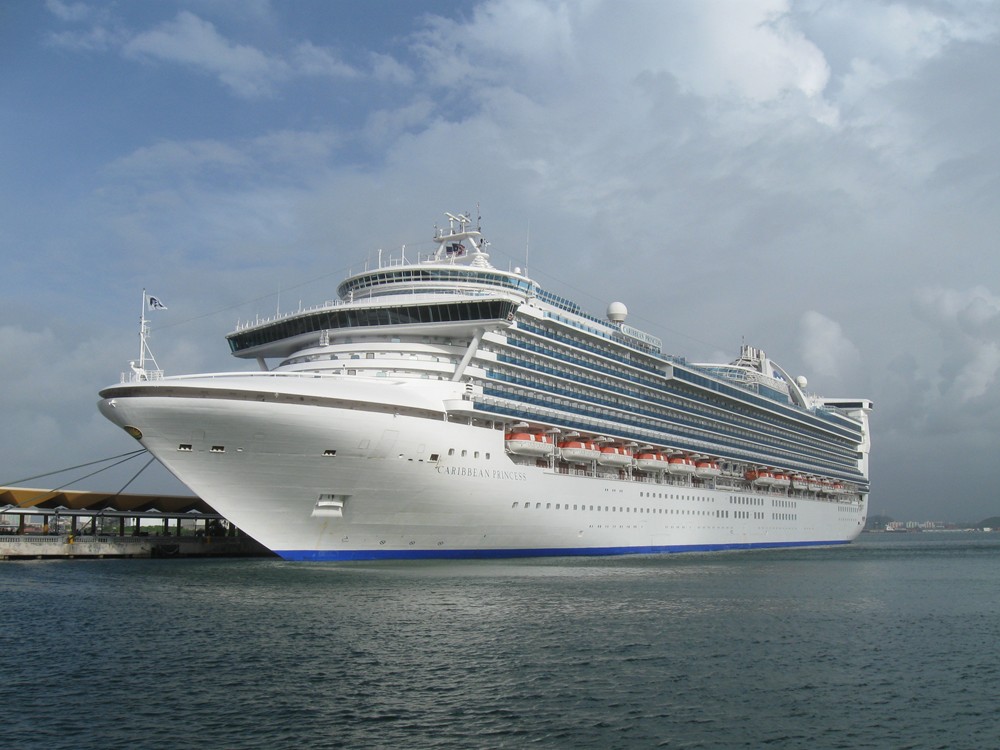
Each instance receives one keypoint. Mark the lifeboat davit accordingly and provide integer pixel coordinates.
(652, 462)
(615, 455)
(579, 451)
(680, 466)
(528, 443)
(706, 469)
(760, 478)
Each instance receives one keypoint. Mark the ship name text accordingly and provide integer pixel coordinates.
(475, 472)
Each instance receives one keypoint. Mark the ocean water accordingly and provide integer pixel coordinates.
(888, 643)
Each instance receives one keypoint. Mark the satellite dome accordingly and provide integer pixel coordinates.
(617, 312)
(801, 381)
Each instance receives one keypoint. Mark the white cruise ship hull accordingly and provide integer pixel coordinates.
(314, 478)
(447, 408)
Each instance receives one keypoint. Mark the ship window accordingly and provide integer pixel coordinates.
(464, 453)
(329, 452)
(487, 456)
(557, 506)
(514, 504)
(451, 451)
(370, 355)
(434, 457)
(476, 454)
(184, 447)
(218, 449)
(538, 506)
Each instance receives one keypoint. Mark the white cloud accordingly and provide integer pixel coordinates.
(978, 374)
(191, 41)
(968, 353)
(308, 59)
(388, 69)
(825, 347)
(69, 11)
(180, 158)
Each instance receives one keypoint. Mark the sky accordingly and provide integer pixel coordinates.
(818, 178)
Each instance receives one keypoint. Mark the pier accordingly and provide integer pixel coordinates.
(41, 523)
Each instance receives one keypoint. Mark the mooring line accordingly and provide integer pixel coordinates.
(78, 466)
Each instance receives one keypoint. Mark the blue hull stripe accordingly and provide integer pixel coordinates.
(465, 554)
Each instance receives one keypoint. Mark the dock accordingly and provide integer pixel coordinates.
(52, 524)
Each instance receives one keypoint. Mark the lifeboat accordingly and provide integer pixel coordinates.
(578, 451)
(760, 478)
(706, 469)
(652, 462)
(781, 480)
(838, 488)
(614, 455)
(815, 485)
(800, 482)
(680, 466)
(528, 443)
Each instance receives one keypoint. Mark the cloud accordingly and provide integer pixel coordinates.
(69, 11)
(191, 41)
(967, 324)
(308, 59)
(825, 348)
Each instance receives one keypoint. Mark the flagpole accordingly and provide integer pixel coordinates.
(142, 332)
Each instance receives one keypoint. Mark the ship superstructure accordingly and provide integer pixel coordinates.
(441, 407)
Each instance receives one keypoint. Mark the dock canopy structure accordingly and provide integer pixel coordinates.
(14, 499)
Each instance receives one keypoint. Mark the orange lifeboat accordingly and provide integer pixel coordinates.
(615, 455)
(528, 443)
(781, 480)
(651, 462)
(760, 477)
(578, 451)
(706, 469)
(680, 466)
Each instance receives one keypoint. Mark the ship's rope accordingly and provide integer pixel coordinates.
(130, 454)
(123, 456)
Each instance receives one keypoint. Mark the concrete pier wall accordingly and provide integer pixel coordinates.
(28, 546)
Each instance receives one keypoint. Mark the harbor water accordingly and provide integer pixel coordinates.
(886, 643)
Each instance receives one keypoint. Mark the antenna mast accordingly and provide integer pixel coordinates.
(139, 371)
(527, 244)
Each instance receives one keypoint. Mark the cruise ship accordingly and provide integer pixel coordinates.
(443, 408)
